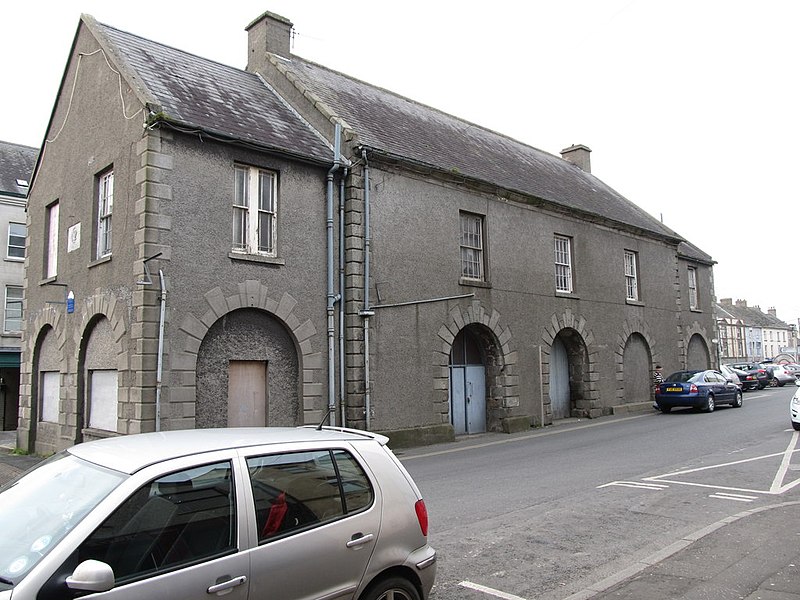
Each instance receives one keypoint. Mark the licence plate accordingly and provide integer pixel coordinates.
(674, 389)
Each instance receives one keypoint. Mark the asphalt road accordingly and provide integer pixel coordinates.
(546, 514)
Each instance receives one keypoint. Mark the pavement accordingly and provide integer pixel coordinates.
(752, 555)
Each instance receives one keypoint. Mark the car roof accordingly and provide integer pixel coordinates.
(131, 453)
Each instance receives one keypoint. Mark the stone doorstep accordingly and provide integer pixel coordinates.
(634, 407)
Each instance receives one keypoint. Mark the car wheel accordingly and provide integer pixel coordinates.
(710, 403)
(391, 588)
(761, 386)
(665, 409)
(781, 383)
(773, 383)
(737, 400)
(796, 425)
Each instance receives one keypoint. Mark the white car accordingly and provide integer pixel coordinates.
(794, 407)
(275, 513)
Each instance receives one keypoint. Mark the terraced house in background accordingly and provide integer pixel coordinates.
(747, 334)
(16, 166)
(267, 245)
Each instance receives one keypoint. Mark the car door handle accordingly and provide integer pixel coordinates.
(359, 539)
(227, 585)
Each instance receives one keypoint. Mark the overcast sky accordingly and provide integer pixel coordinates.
(690, 107)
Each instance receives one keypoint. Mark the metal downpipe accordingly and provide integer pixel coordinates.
(160, 367)
(331, 294)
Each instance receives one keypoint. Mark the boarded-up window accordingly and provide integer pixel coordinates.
(49, 390)
(103, 400)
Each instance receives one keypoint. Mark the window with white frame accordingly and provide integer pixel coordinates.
(563, 262)
(693, 288)
(17, 232)
(255, 211)
(103, 399)
(49, 393)
(12, 316)
(631, 275)
(51, 251)
(105, 206)
(472, 266)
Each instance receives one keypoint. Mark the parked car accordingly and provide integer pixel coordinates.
(250, 512)
(749, 379)
(794, 407)
(780, 376)
(698, 389)
(755, 369)
(732, 375)
(793, 368)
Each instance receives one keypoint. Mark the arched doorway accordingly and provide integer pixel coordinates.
(467, 383)
(697, 355)
(248, 373)
(636, 369)
(569, 365)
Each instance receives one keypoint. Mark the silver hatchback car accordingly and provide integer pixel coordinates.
(276, 513)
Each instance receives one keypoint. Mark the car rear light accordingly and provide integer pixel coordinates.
(693, 389)
(422, 516)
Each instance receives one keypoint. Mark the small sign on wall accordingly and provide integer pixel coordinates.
(74, 237)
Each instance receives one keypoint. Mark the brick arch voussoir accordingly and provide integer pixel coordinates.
(47, 317)
(689, 331)
(569, 320)
(107, 306)
(461, 316)
(629, 328)
(251, 294)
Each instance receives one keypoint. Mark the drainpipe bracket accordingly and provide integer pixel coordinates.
(366, 313)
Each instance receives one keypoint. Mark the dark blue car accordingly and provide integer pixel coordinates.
(698, 389)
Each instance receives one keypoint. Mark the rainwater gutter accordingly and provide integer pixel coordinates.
(331, 293)
(366, 312)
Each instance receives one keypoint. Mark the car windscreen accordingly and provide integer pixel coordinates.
(682, 376)
(38, 509)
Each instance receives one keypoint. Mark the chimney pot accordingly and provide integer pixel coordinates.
(741, 303)
(578, 155)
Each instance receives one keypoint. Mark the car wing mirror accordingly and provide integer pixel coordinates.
(91, 576)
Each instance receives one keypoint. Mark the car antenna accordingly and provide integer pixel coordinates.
(325, 418)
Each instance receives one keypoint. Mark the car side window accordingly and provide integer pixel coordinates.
(177, 520)
(296, 491)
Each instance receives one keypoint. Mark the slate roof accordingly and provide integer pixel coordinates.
(752, 316)
(16, 162)
(401, 127)
(688, 250)
(234, 104)
(202, 94)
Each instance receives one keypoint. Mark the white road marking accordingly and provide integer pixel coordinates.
(777, 484)
(776, 488)
(635, 484)
(487, 590)
(737, 497)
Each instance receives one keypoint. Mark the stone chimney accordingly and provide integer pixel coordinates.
(772, 312)
(741, 304)
(726, 301)
(268, 33)
(578, 155)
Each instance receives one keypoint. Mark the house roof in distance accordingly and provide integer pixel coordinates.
(16, 168)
